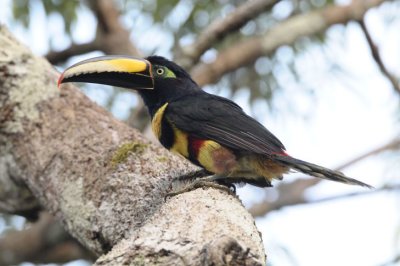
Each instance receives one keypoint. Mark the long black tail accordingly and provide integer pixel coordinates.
(318, 171)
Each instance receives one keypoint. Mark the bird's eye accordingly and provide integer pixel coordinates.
(160, 71)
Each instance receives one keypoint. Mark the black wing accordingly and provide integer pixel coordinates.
(207, 116)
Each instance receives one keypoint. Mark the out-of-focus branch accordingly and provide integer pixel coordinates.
(285, 33)
(55, 57)
(376, 56)
(15, 196)
(218, 29)
(288, 194)
(393, 261)
(261, 209)
(112, 36)
(293, 193)
(45, 241)
(139, 117)
(391, 145)
(354, 194)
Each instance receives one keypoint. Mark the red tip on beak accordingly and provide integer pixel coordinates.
(60, 80)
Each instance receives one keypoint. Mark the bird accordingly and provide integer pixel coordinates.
(210, 131)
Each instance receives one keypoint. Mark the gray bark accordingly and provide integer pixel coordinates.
(103, 180)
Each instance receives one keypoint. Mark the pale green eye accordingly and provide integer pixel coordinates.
(164, 72)
(160, 71)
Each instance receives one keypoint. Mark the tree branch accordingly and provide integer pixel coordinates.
(393, 261)
(112, 37)
(299, 186)
(45, 241)
(15, 197)
(139, 117)
(354, 194)
(285, 33)
(376, 56)
(218, 29)
(292, 193)
(288, 194)
(391, 145)
(56, 57)
(105, 182)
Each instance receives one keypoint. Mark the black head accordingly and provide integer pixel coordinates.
(178, 71)
(170, 83)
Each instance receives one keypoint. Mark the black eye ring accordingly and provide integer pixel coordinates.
(160, 71)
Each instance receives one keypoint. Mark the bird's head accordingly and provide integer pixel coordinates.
(157, 79)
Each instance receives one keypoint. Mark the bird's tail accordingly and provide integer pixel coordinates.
(318, 171)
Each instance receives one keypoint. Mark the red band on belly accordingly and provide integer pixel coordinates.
(194, 146)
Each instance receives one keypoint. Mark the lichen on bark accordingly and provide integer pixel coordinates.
(122, 153)
(18, 64)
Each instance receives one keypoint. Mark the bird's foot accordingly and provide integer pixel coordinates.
(193, 175)
(208, 181)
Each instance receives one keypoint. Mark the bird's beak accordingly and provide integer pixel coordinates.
(120, 71)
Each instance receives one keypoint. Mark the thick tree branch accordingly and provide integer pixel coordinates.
(220, 250)
(376, 56)
(218, 29)
(285, 33)
(104, 181)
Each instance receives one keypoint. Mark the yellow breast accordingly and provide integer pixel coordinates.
(180, 142)
(156, 121)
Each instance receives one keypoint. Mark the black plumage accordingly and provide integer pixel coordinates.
(207, 116)
(211, 131)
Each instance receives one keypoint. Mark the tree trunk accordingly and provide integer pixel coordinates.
(103, 180)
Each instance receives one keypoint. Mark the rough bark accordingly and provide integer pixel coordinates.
(104, 181)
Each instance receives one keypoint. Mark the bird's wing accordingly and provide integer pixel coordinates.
(211, 117)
